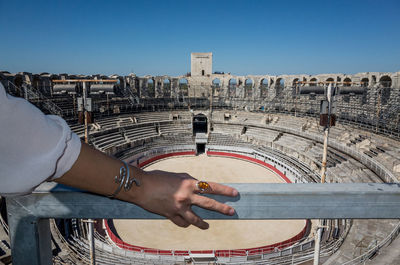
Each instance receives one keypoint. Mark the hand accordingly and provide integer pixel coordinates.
(172, 195)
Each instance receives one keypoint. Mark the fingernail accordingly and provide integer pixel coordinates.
(231, 211)
(235, 193)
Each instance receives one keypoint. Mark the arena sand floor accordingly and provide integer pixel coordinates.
(222, 234)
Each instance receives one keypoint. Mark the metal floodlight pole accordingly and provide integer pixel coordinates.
(85, 111)
(323, 171)
(378, 108)
(90, 221)
(91, 242)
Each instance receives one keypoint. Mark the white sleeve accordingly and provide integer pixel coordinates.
(33, 147)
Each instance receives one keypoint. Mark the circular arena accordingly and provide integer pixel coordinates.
(222, 235)
(268, 125)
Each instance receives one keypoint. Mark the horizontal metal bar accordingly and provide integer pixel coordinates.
(30, 231)
(256, 201)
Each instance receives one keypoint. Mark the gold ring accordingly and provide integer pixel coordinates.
(202, 186)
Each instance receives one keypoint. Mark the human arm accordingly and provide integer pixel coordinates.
(165, 193)
(35, 147)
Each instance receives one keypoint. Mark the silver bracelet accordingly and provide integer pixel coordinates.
(124, 180)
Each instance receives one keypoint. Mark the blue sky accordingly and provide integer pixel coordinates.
(156, 37)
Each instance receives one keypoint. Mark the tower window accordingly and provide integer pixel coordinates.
(202, 72)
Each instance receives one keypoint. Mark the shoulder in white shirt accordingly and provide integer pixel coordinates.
(34, 147)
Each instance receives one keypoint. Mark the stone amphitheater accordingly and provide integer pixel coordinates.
(266, 118)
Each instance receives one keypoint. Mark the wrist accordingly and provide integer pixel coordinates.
(134, 194)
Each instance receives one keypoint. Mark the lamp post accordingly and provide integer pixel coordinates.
(327, 122)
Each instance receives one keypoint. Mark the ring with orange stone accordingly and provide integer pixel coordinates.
(202, 186)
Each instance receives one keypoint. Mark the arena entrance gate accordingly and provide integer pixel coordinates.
(199, 124)
(200, 132)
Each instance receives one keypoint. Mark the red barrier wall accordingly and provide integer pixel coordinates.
(153, 159)
(254, 160)
(218, 253)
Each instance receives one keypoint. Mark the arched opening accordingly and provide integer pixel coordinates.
(347, 82)
(36, 82)
(385, 83)
(199, 123)
(232, 87)
(18, 80)
(364, 82)
(216, 82)
(167, 87)
(151, 92)
(281, 82)
(295, 86)
(313, 81)
(264, 88)
(216, 85)
(279, 86)
(330, 80)
(183, 87)
(248, 88)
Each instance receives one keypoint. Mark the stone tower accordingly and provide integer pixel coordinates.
(201, 63)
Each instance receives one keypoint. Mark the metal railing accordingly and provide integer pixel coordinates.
(30, 94)
(29, 223)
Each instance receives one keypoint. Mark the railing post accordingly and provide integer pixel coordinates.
(30, 236)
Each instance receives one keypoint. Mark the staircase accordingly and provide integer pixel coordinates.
(132, 97)
(31, 93)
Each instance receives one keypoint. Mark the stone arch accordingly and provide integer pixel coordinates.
(36, 82)
(385, 83)
(279, 85)
(167, 84)
(294, 82)
(216, 82)
(183, 87)
(16, 89)
(365, 82)
(18, 80)
(313, 81)
(248, 88)
(280, 82)
(295, 86)
(347, 81)
(232, 84)
(151, 87)
(330, 80)
(264, 87)
(216, 86)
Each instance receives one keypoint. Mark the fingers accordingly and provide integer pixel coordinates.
(216, 188)
(195, 220)
(212, 205)
(179, 221)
